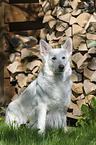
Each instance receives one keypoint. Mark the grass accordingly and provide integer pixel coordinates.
(25, 136)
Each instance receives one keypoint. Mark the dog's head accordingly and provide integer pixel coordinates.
(57, 59)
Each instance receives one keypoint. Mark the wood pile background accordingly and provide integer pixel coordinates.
(62, 19)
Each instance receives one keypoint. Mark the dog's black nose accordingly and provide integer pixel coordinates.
(61, 67)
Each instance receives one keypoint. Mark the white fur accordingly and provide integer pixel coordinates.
(45, 100)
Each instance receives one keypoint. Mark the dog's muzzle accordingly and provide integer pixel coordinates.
(61, 67)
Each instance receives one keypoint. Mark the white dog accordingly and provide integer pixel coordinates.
(45, 100)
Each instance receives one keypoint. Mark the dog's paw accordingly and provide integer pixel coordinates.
(65, 129)
(41, 132)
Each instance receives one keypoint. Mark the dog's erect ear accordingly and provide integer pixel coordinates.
(68, 46)
(44, 47)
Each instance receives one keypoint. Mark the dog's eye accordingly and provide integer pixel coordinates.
(54, 58)
(63, 57)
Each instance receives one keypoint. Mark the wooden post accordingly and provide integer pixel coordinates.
(2, 60)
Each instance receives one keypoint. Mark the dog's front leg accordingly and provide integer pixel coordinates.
(41, 117)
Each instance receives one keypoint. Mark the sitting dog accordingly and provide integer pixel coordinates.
(45, 101)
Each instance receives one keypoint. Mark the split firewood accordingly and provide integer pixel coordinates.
(80, 103)
(83, 18)
(92, 19)
(76, 111)
(91, 43)
(83, 47)
(54, 2)
(48, 17)
(33, 64)
(93, 77)
(52, 23)
(92, 64)
(30, 78)
(25, 53)
(88, 98)
(16, 66)
(60, 26)
(65, 18)
(80, 97)
(68, 32)
(80, 62)
(73, 20)
(88, 73)
(76, 12)
(22, 80)
(77, 88)
(43, 33)
(89, 87)
(74, 4)
(77, 29)
(91, 36)
(77, 39)
(72, 105)
(76, 77)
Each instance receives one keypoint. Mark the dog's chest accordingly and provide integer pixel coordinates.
(54, 91)
(58, 91)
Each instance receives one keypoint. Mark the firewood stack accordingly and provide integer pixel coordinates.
(24, 63)
(62, 19)
(75, 19)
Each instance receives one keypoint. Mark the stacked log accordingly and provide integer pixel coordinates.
(75, 19)
(24, 63)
